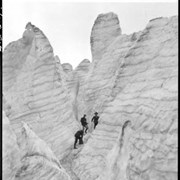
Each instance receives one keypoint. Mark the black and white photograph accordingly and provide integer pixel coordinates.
(89, 89)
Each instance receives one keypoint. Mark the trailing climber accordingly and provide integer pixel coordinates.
(84, 123)
(78, 136)
(95, 119)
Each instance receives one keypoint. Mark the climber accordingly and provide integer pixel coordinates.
(95, 119)
(78, 136)
(84, 123)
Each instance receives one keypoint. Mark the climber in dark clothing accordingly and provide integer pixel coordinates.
(95, 119)
(78, 136)
(84, 123)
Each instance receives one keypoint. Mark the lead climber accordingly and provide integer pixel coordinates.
(78, 136)
(84, 123)
(95, 119)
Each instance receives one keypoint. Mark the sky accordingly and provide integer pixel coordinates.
(68, 24)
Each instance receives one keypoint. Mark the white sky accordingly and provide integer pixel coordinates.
(68, 25)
